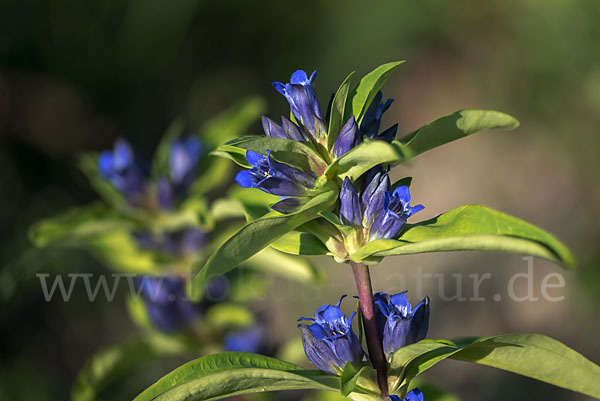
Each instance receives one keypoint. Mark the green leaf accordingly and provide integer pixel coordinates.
(232, 373)
(295, 153)
(455, 126)
(365, 156)
(300, 243)
(336, 117)
(290, 267)
(232, 122)
(111, 364)
(258, 234)
(362, 95)
(471, 228)
(531, 355)
(119, 251)
(75, 225)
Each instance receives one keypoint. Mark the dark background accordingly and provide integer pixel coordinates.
(75, 75)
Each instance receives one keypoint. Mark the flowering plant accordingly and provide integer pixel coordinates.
(155, 221)
(330, 171)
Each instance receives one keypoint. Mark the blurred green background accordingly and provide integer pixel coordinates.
(75, 75)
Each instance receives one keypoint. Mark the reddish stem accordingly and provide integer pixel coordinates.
(374, 343)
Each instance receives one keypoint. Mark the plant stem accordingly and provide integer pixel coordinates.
(374, 343)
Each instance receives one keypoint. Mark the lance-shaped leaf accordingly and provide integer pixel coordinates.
(336, 117)
(75, 225)
(471, 228)
(531, 355)
(258, 234)
(362, 95)
(295, 153)
(118, 361)
(455, 126)
(365, 156)
(232, 373)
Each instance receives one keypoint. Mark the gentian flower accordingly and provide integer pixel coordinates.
(183, 160)
(250, 339)
(287, 130)
(396, 209)
(121, 168)
(273, 177)
(413, 395)
(300, 94)
(347, 139)
(398, 323)
(379, 213)
(329, 343)
(166, 303)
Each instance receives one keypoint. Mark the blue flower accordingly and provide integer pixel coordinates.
(121, 168)
(183, 160)
(369, 126)
(398, 322)
(168, 308)
(273, 177)
(413, 395)
(350, 210)
(329, 343)
(347, 139)
(396, 209)
(288, 129)
(300, 94)
(250, 339)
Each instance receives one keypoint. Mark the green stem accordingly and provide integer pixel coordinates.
(374, 343)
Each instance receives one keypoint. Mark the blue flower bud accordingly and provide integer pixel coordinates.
(350, 213)
(250, 339)
(168, 308)
(329, 343)
(121, 168)
(347, 139)
(273, 177)
(396, 209)
(398, 323)
(369, 126)
(300, 94)
(183, 160)
(413, 395)
(375, 186)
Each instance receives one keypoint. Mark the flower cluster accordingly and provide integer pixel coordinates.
(130, 174)
(311, 127)
(330, 342)
(377, 212)
(169, 310)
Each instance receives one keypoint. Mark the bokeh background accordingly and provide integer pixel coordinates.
(75, 75)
